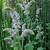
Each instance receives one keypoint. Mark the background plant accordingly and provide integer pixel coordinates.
(36, 18)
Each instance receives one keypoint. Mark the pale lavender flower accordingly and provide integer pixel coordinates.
(26, 32)
(15, 19)
(14, 15)
(11, 31)
(16, 24)
(26, 6)
(23, 27)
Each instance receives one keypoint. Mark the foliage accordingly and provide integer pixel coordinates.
(33, 14)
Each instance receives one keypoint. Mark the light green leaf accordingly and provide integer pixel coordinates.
(28, 46)
(40, 48)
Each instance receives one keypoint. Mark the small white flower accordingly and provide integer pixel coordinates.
(26, 12)
(38, 11)
(36, 16)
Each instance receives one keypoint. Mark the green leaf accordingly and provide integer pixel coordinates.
(40, 48)
(0, 47)
(28, 46)
(17, 38)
